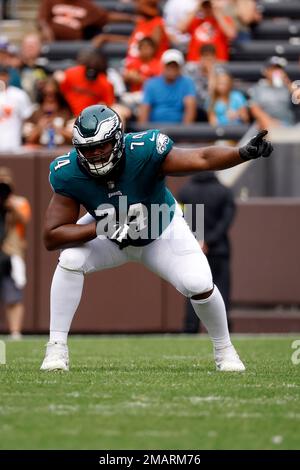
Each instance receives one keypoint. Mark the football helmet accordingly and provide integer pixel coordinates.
(98, 138)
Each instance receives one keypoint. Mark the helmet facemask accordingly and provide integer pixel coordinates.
(101, 163)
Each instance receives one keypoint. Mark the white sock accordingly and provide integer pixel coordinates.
(66, 290)
(212, 313)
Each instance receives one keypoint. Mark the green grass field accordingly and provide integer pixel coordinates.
(150, 392)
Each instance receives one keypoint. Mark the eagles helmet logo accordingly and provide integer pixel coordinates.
(108, 127)
(104, 130)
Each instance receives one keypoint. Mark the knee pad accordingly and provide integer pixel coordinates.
(196, 283)
(73, 259)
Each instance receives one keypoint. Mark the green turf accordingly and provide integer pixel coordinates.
(150, 392)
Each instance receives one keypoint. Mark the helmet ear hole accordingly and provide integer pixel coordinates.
(95, 126)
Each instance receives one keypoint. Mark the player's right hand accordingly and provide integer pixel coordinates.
(257, 147)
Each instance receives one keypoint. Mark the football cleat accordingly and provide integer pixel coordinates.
(57, 357)
(227, 360)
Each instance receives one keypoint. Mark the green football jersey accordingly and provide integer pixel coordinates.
(139, 206)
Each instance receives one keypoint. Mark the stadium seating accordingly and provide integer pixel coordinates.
(269, 8)
(247, 51)
(278, 8)
(66, 50)
(251, 71)
(118, 28)
(260, 50)
(52, 65)
(61, 50)
(115, 5)
(279, 29)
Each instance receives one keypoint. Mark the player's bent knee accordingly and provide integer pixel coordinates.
(72, 259)
(196, 284)
(203, 296)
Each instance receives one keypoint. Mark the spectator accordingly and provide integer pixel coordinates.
(170, 97)
(87, 83)
(113, 74)
(152, 25)
(244, 14)
(14, 216)
(219, 208)
(270, 102)
(14, 60)
(143, 67)
(15, 107)
(32, 66)
(74, 19)
(176, 14)
(210, 26)
(5, 59)
(226, 105)
(51, 123)
(203, 74)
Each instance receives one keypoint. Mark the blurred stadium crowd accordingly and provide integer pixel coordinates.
(219, 62)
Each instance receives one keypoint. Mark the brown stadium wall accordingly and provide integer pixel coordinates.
(265, 266)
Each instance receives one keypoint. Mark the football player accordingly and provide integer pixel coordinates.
(119, 179)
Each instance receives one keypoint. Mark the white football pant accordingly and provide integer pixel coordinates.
(176, 257)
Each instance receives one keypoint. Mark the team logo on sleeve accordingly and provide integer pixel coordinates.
(162, 143)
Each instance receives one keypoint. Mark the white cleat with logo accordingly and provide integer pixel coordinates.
(227, 360)
(57, 357)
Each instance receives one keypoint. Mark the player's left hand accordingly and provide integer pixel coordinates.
(257, 147)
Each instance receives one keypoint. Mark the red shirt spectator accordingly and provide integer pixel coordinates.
(207, 31)
(148, 27)
(140, 69)
(210, 26)
(80, 92)
(145, 69)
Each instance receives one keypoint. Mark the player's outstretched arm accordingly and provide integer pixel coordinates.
(60, 229)
(215, 158)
